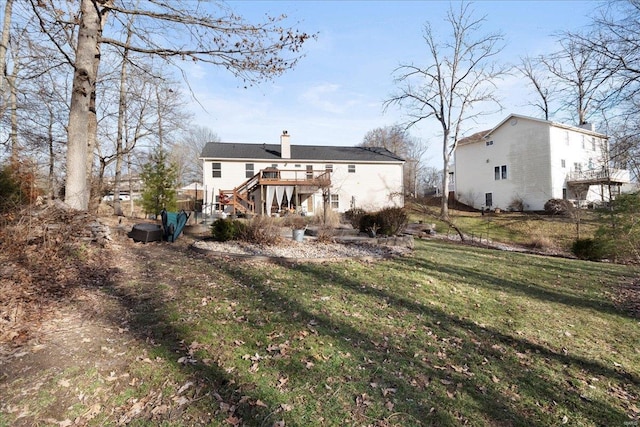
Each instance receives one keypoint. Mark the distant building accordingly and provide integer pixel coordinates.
(524, 162)
(271, 178)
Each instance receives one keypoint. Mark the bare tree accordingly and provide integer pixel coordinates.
(252, 52)
(399, 141)
(615, 36)
(582, 77)
(394, 138)
(542, 85)
(187, 150)
(459, 76)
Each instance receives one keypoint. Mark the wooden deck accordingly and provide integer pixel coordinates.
(240, 197)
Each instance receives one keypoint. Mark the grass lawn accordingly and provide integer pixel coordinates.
(452, 335)
(529, 229)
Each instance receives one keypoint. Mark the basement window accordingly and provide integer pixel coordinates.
(488, 199)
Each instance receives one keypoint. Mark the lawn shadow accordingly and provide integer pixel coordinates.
(489, 278)
(490, 399)
(152, 323)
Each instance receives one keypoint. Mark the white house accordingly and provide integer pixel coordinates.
(271, 178)
(524, 161)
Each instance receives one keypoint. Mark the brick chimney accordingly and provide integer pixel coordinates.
(285, 145)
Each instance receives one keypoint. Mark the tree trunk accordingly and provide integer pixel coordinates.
(52, 180)
(13, 106)
(4, 43)
(82, 129)
(122, 107)
(444, 205)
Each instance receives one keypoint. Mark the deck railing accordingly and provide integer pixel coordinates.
(603, 175)
(239, 198)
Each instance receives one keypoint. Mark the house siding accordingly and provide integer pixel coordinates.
(533, 151)
(373, 186)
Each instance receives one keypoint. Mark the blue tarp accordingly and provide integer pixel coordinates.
(172, 224)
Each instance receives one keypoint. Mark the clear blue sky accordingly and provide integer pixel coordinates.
(335, 95)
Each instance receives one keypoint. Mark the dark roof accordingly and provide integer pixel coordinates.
(227, 150)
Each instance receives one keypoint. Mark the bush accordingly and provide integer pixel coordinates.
(517, 205)
(227, 229)
(353, 216)
(388, 221)
(558, 207)
(588, 249)
(262, 230)
(15, 187)
(393, 221)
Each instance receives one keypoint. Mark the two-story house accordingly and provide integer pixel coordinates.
(524, 162)
(269, 178)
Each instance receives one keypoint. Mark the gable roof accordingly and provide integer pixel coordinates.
(237, 151)
(473, 138)
(484, 134)
(548, 122)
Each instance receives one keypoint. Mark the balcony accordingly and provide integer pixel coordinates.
(598, 176)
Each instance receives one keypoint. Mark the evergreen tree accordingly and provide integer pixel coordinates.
(159, 180)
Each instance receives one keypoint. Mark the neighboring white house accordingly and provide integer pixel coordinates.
(272, 178)
(525, 161)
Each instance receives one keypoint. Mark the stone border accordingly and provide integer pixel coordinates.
(285, 260)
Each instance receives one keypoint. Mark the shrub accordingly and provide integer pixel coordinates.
(558, 207)
(517, 204)
(325, 235)
(388, 221)
(227, 229)
(16, 187)
(392, 221)
(589, 249)
(353, 216)
(262, 230)
(296, 222)
(369, 221)
(328, 218)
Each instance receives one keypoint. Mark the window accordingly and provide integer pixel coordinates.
(249, 171)
(563, 163)
(274, 165)
(503, 170)
(298, 165)
(583, 142)
(500, 172)
(488, 199)
(593, 144)
(564, 194)
(496, 173)
(577, 167)
(309, 171)
(216, 170)
(328, 168)
(489, 143)
(335, 201)
(351, 168)
(566, 137)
